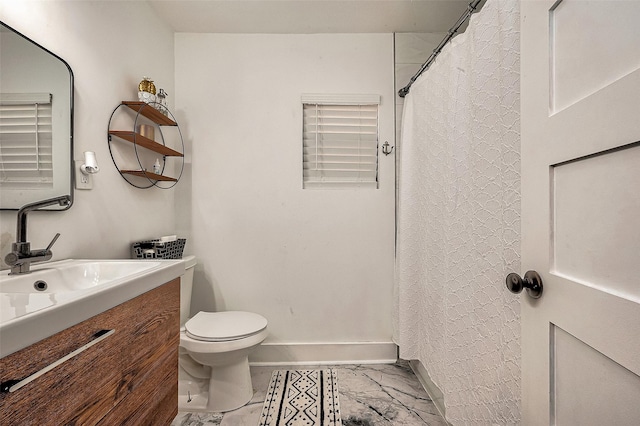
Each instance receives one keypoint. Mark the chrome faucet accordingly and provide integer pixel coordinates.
(21, 256)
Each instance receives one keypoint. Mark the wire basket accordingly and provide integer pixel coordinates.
(156, 249)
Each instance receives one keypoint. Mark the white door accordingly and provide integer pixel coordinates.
(581, 211)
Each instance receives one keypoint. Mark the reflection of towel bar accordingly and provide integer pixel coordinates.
(14, 385)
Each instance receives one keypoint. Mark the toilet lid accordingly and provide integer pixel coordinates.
(220, 326)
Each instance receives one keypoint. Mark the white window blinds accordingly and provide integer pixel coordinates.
(340, 141)
(26, 155)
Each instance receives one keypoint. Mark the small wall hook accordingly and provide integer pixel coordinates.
(386, 148)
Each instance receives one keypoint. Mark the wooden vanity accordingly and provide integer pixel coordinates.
(128, 377)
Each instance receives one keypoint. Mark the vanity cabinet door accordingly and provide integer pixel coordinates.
(107, 379)
(150, 361)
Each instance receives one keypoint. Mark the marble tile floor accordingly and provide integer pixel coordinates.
(370, 395)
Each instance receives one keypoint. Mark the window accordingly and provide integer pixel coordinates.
(340, 141)
(25, 141)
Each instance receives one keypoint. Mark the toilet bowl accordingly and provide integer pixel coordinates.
(214, 348)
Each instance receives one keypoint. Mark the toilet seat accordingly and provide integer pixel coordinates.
(224, 326)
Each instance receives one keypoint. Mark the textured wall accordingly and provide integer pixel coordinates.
(459, 221)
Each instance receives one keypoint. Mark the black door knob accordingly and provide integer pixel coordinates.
(531, 281)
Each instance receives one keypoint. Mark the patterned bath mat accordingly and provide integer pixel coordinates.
(302, 398)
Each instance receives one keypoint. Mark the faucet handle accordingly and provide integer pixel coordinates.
(52, 242)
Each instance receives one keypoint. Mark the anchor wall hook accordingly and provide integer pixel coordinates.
(386, 148)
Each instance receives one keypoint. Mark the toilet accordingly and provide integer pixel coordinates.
(214, 349)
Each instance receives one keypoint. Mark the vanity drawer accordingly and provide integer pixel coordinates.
(99, 380)
(73, 387)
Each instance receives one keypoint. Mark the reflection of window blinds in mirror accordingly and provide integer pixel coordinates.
(26, 151)
(340, 141)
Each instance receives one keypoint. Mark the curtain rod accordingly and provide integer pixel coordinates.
(467, 13)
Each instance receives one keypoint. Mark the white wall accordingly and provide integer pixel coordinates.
(411, 51)
(110, 46)
(318, 264)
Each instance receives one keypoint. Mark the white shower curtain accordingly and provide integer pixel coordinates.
(459, 221)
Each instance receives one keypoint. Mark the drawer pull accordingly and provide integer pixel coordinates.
(14, 385)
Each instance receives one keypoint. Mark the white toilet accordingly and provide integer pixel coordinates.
(214, 348)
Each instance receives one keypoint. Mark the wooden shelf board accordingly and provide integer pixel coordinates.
(150, 112)
(149, 175)
(138, 139)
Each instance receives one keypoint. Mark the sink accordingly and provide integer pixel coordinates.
(57, 295)
(72, 276)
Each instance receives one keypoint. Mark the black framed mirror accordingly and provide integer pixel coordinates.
(36, 123)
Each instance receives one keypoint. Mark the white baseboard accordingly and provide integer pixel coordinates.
(273, 354)
(431, 388)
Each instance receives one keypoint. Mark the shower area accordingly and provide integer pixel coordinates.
(458, 220)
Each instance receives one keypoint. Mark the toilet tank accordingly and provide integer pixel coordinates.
(186, 285)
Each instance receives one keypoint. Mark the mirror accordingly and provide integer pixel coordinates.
(36, 123)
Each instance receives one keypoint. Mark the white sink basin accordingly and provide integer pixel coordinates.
(72, 276)
(57, 295)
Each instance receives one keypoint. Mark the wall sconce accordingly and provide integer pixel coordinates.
(87, 168)
(90, 165)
